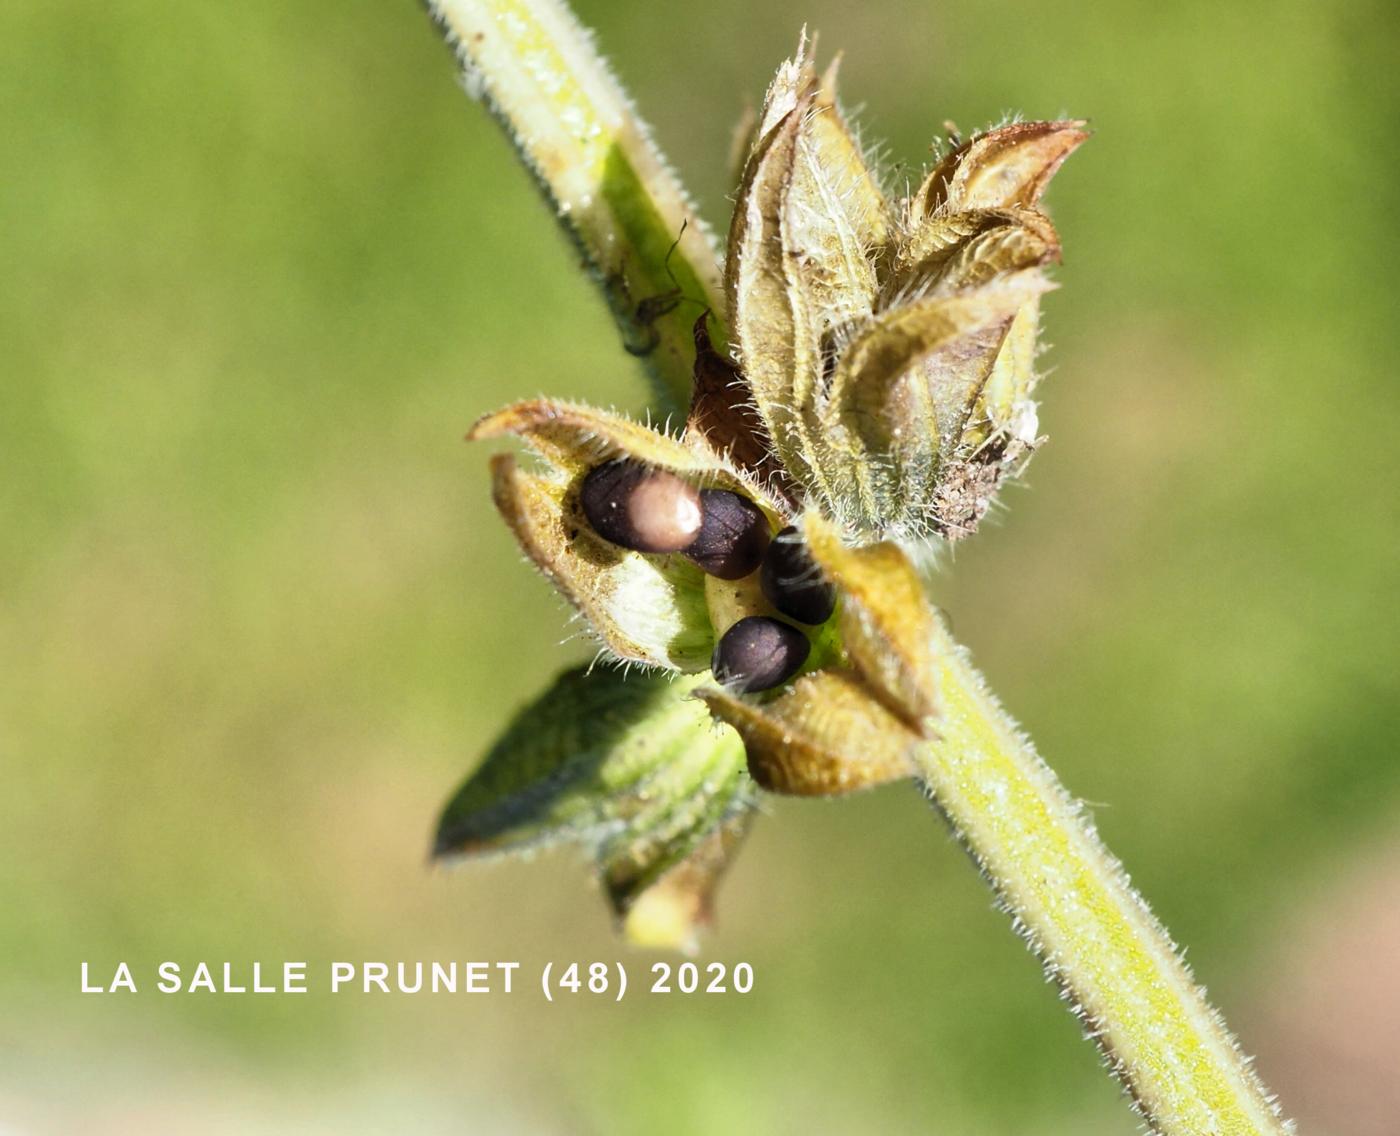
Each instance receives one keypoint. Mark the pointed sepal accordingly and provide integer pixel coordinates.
(630, 766)
(808, 222)
(1010, 165)
(888, 626)
(825, 735)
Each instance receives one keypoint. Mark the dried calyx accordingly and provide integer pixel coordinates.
(888, 344)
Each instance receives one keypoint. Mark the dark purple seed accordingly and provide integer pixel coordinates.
(792, 581)
(759, 653)
(734, 535)
(640, 507)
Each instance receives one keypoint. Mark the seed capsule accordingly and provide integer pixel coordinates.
(759, 653)
(733, 536)
(640, 507)
(792, 581)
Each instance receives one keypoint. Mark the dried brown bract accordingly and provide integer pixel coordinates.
(888, 345)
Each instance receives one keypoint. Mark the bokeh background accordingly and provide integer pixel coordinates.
(264, 263)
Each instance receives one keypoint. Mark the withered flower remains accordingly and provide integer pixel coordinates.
(876, 392)
(889, 345)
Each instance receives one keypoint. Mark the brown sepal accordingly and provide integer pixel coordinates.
(1010, 165)
(824, 736)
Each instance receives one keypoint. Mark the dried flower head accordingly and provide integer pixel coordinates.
(889, 345)
(750, 564)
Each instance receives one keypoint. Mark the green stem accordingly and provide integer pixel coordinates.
(1094, 933)
(540, 74)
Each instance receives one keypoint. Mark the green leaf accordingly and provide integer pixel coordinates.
(627, 764)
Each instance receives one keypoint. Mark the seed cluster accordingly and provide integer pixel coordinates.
(651, 510)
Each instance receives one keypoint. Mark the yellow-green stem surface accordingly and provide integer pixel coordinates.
(1073, 902)
(540, 74)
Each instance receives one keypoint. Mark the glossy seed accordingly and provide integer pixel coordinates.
(734, 535)
(640, 507)
(759, 653)
(792, 581)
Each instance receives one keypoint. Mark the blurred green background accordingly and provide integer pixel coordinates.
(264, 263)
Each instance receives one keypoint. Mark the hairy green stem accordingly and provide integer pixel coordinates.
(539, 73)
(1094, 933)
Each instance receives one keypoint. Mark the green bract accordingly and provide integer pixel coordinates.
(628, 765)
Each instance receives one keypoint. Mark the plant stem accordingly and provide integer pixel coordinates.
(1071, 900)
(541, 76)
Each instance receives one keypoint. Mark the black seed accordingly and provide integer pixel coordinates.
(792, 581)
(733, 536)
(759, 653)
(641, 508)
